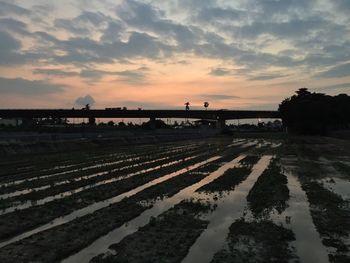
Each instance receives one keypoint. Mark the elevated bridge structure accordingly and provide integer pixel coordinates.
(218, 115)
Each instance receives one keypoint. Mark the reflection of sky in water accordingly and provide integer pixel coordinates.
(338, 186)
(102, 204)
(101, 244)
(62, 195)
(230, 206)
(124, 158)
(297, 217)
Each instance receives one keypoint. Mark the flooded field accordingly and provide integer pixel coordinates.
(214, 200)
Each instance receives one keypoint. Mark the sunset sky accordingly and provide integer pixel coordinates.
(244, 54)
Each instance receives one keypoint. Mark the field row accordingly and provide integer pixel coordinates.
(252, 198)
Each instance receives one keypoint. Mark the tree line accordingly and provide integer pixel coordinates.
(314, 113)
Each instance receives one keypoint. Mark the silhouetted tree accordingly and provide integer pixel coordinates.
(121, 124)
(158, 124)
(187, 104)
(206, 105)
(315, 113)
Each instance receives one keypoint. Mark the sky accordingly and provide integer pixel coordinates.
(242, 54)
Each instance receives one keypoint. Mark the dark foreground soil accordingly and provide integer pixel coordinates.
(256, 242)
(166, 238)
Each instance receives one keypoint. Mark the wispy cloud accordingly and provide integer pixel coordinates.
(218, 97)
(267, 77)
(337, 87)
(339, 71)
(219, 72)
(94, 75)
(20, 86)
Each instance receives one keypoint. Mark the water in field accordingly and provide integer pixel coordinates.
(89, 189)
(229, 208)
(102, 244)
(297, 217)
(105, 203)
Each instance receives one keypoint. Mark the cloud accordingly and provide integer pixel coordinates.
(218, 97)
(113, 32)
(337, 71)
(12, 9)
(82, 101)
(267, 77)
(93, 75)
(293, 29)
(71, 27)
(20, 86)
(342, 5)
(10, 51)
(219, 72)
(342, 86)
(243, 34)
(214, 14)
(146, 17)
(83, 24)
(55, 72)
(8, 43)
(131, 76)
(79, 50)
(94, 18)
(13, 25)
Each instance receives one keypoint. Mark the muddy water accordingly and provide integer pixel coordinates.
(85, 177)
(338, 186)
(101, 245)
(276, 145)
(65, 172)
(229, 208)
(308, 242)
(126, 158)
(99, 205)
(98, 157)
(48, 199)
(23, 192)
